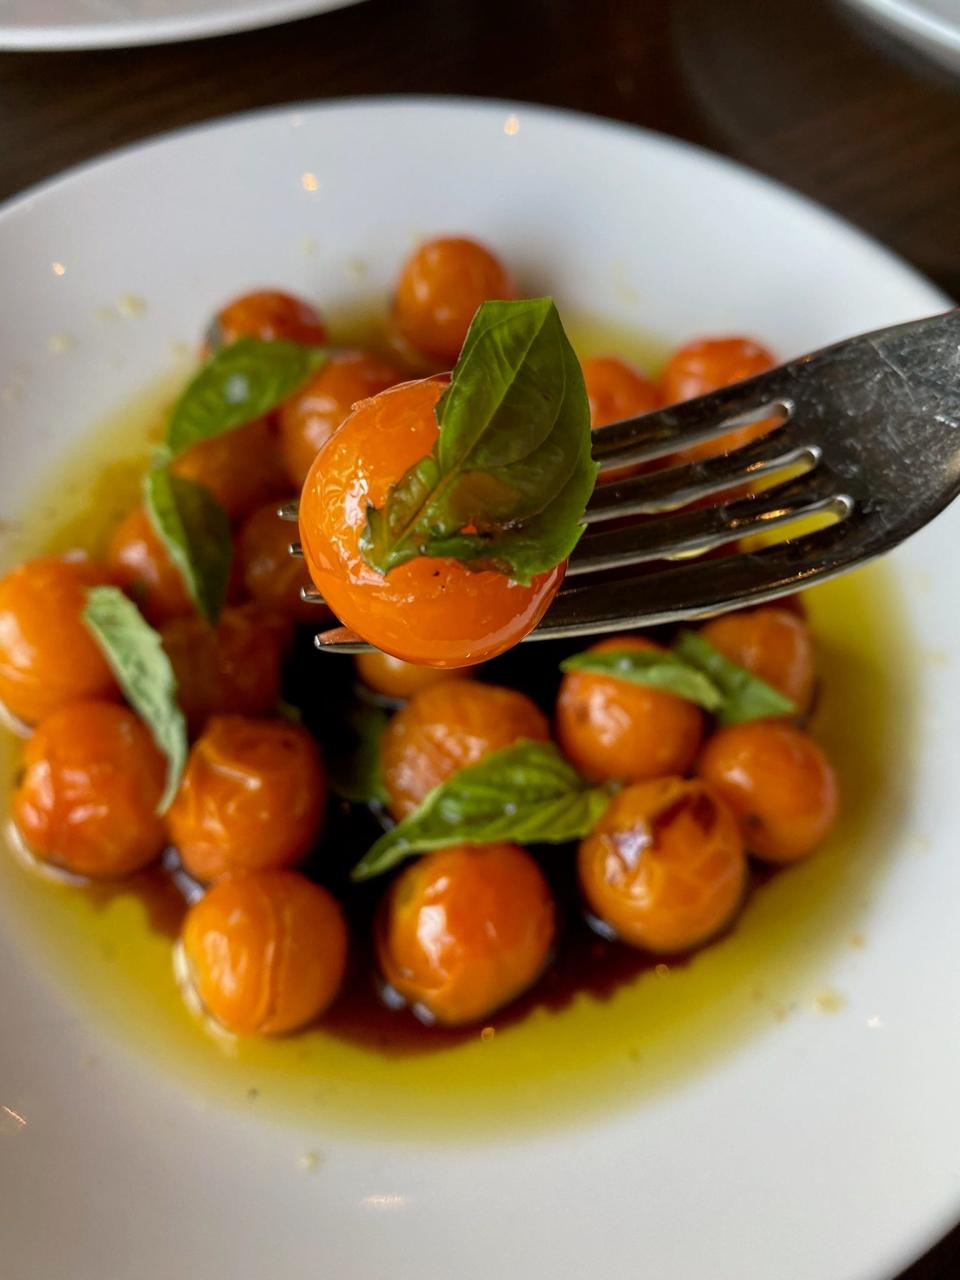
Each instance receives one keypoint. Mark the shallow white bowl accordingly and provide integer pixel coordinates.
(820, 1150)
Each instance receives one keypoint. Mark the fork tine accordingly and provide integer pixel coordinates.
(694, 532)
(290, 511)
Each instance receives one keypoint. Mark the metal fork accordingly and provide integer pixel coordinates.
(868, 434)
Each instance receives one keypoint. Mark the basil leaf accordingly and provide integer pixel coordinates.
(195, 529)
(526, 792)
(745, 696)
(665, 671)
(143, 670)
(509, 477)
(354, 768)
(239, 383)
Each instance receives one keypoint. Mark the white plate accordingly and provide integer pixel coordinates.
(107, 24)
(933, 26)
(819, 1148)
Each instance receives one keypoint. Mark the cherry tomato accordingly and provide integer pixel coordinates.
(268, 314)
(772, 643)
(616, 390)
(243, 469)
(466, 930)
(397, 679)
(612, 729)
(664, 869)
(778, 782)
(707, 365)
(47, 656)
(87, 799)
(439, 289)
(266, 951)
(271, 575)
(433, 611)
(309, 418)
(141, 564)
(253, 796)
(234, 667)
(444, 728)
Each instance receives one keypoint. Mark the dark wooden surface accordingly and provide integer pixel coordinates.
(795, 88)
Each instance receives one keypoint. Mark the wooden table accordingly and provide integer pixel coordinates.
(793, 87)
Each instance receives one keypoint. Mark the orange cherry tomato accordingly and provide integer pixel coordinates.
(611, 729)
(664, 868)
(707, 365)
(266, 952)
(439, 289)
(465, 931)
(397, 679)
(47, 656)
(773, 643)
(432, 611)
(271, 575)
(243, 469)
(778, 782)
(88, 795)
(234, 667)
(446, 727)
(268, 314)
(253, 796)
(309, 418)
(141, 564)
(616, 390)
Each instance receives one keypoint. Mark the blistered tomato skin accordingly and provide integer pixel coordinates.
(708, 364)
(270, 574)
(772, 643)
(616, 390)
(87, 799)
(243, 469)
(779, 783)
(394, 678)
(253, 797)
(466, 930)
(436, 612)
(48, 658)
(611, 729)
(308, 419)
(266, 952)
(268, 314)
(141, 564)
(439, 289)
(446, 727)
(664, 869)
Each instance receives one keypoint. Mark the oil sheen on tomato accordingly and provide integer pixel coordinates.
(605, 1027)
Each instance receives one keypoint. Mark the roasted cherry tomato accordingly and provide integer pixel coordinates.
(234, 667)
(243, 469)
(397, 679)
(253, 796)
(309, 418)
(87, 799)
(664, 868)
(609, 728)
(616, 390)
(778, 782)
(433, 611)
(141, 564)
(265, 951)
(271, 575)
(465, 930)
(707, 365)
(268, 314)
(439, 289)
(446, 727)
(772, 643)
(48, 658)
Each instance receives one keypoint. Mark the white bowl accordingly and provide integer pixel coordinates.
(932, 26)
(817, 1148)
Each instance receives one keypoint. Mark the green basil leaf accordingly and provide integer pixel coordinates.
(511, 472)
(665, 671)
(354, 769)
(239, 383)
(143, 670)
(195, 529)
(745, 696)
(526, 792)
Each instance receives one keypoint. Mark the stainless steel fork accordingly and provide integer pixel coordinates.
(867, 433)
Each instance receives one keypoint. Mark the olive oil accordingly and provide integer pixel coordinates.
(605, 1027)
